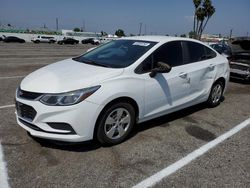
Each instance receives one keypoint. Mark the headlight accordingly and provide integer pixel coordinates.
(69, 98)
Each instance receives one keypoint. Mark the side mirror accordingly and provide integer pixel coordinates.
(160, 68)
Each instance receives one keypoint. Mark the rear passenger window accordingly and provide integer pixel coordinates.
(209, 53)
(197, 52)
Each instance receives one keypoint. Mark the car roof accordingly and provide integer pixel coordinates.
(158, 38)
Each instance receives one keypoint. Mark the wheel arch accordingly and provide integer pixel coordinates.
(119, 99)
(223, 80)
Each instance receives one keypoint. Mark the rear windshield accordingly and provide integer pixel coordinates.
(117, 53)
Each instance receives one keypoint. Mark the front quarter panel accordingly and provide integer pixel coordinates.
(124, 86)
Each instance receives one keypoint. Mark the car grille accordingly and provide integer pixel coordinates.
(27, 95)
(240, 67)
(25, 111)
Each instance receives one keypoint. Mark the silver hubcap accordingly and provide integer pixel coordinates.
(117, 123)
(217, 92)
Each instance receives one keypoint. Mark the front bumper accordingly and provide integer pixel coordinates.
(80, 117)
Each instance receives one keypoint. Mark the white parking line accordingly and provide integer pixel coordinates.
(7, 106)
(152, 180)
(3, 171)
(10, 77)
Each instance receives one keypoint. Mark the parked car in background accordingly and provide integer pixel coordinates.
(68, 41)
(223, 49)
(93, 41)
(43, 39)
(104, 92)
(87, 41)
(13, 39)
(240, 59)
(1, 38)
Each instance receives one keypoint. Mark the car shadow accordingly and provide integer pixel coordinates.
(164, 121)
(68, 146)
(87, 146)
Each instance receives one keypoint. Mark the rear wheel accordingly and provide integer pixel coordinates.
(216, 92)
(115, 123)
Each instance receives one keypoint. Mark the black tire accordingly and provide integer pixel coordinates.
(37, 41)
(110, 112)
(216, 94)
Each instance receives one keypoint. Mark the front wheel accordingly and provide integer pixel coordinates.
(215, 95)
(115, 123)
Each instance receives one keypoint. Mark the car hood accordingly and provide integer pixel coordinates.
(67, 75)
(240, 46)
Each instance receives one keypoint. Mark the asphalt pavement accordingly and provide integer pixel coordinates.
(153, 145)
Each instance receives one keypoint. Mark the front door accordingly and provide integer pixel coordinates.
(166, 91)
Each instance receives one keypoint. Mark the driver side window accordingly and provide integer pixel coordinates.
(169, 53)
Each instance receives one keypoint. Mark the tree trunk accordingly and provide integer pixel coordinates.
(205, 24)
(194, 23)
(196, 30)
(200, 30)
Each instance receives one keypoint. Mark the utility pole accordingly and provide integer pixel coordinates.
(231, 32)
(140, 29)
(83, 25)
(57, 24)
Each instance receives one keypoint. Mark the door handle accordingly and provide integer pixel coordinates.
(211, 67)
(183, 75)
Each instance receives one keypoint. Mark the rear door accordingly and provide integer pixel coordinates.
(201, 68)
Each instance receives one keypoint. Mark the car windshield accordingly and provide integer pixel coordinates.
(117, 53)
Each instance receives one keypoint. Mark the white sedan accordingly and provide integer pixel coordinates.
(103, 93)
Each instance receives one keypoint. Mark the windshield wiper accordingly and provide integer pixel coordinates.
(88, 61)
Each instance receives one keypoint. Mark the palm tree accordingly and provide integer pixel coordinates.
(203, 12)
(200, 14)
(197, 3)
(209, 10)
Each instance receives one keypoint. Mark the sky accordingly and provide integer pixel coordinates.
(157, 17)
